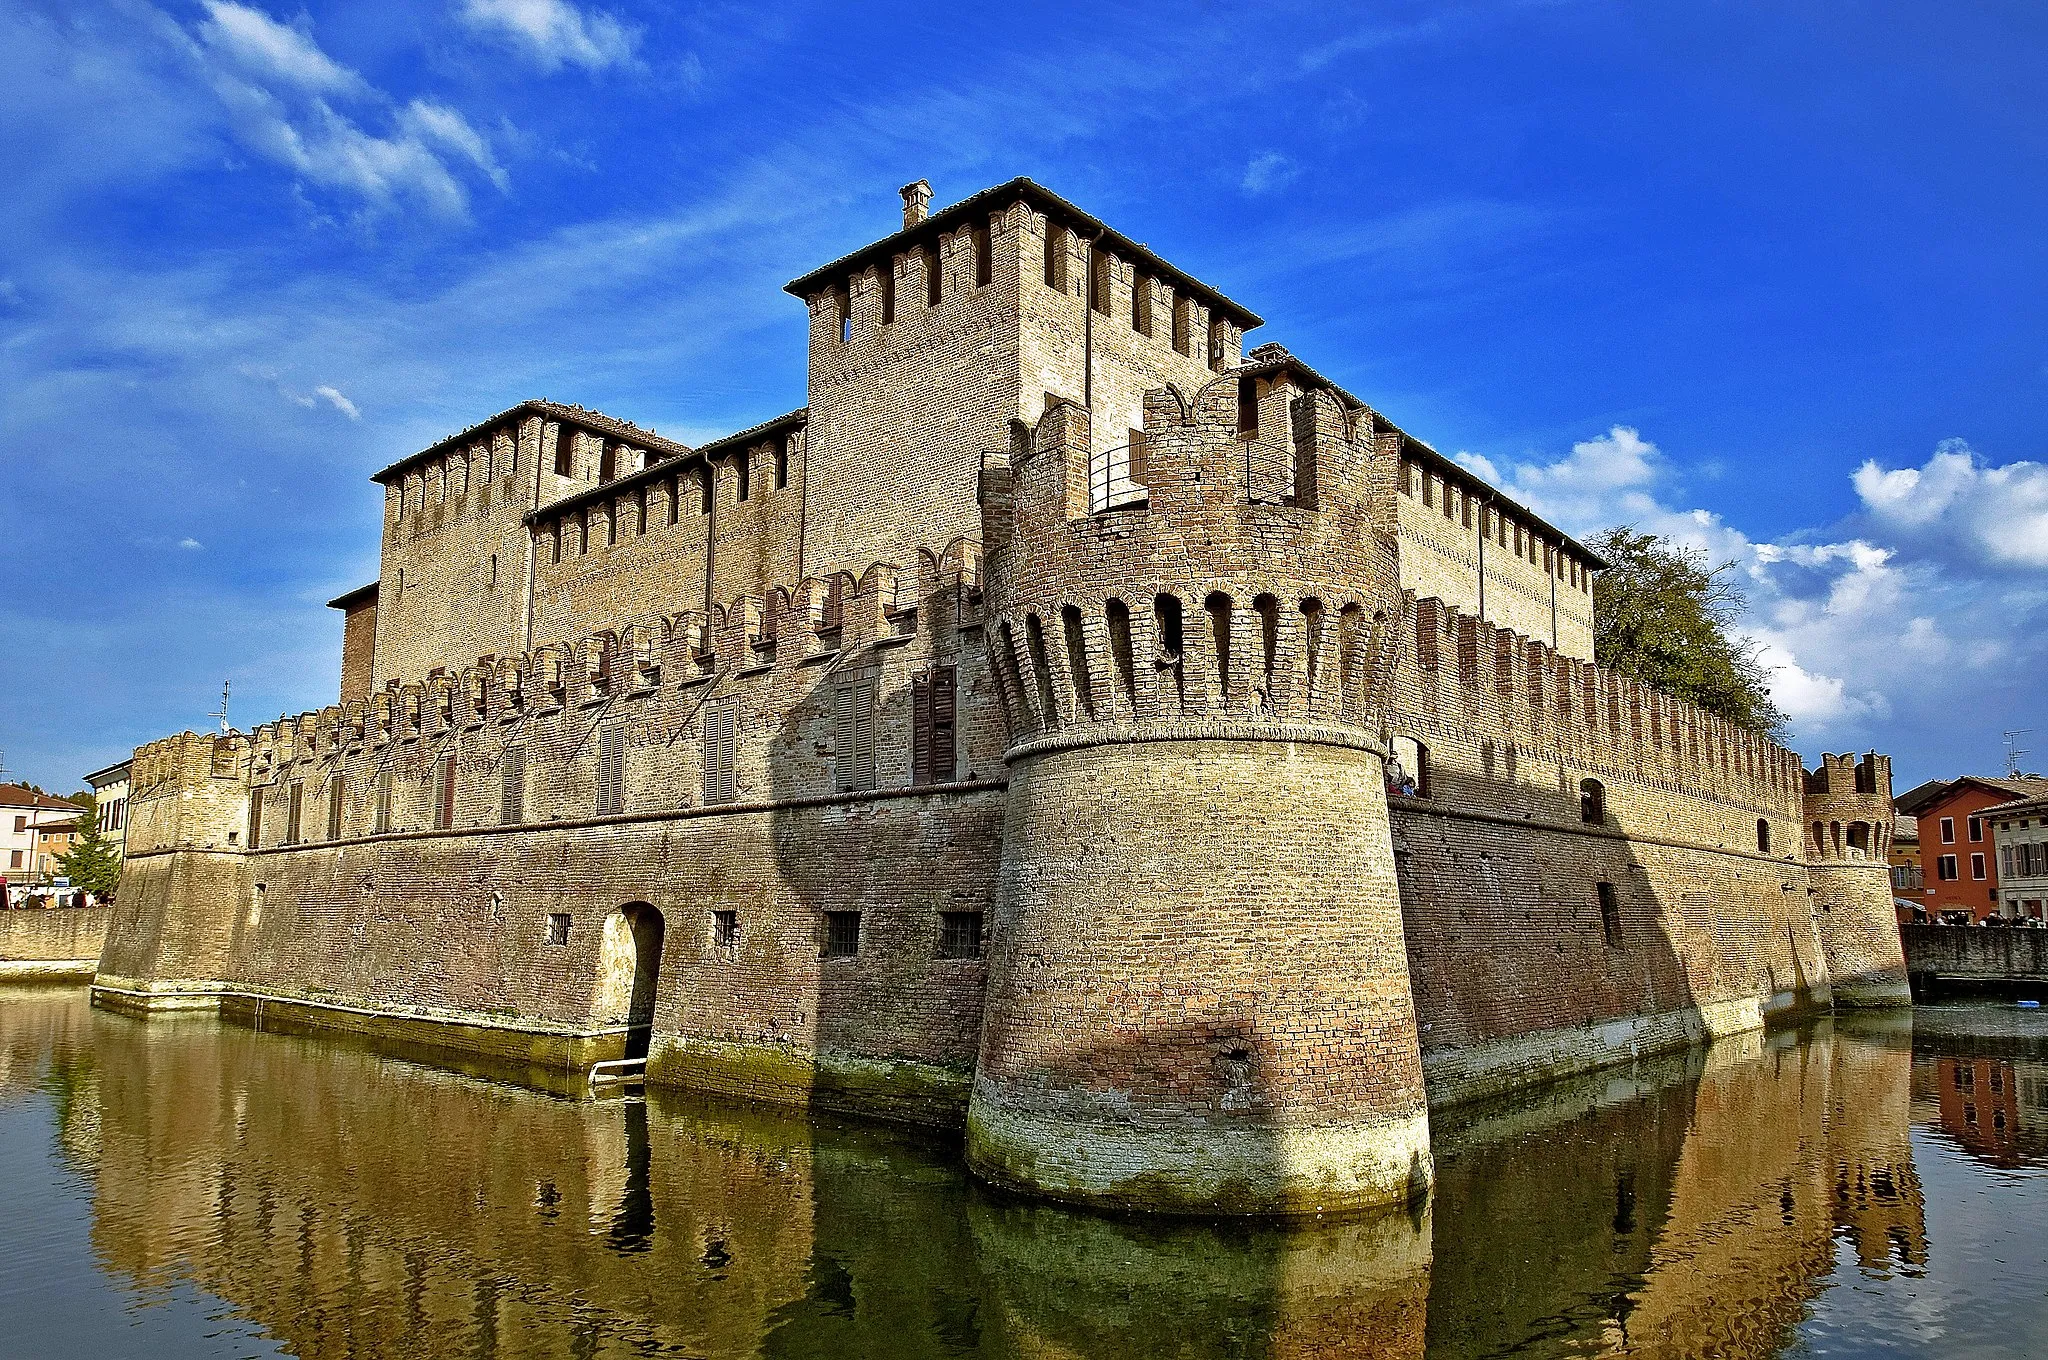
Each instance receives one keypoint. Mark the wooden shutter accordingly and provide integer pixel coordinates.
(842, 735)
(334, 803)
(611, 770)
(444, 809)
(920, 729)
(720, 741)
(255, 817)
(295, 803)
(853, 743)
(942, 740)
(512, 810)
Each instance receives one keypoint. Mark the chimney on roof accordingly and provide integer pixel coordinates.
(917, 202)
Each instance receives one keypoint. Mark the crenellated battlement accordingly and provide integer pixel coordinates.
(1526, 691)
(1848, 808)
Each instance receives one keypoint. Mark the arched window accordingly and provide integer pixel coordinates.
(1859, 840)
(1592, 801)
(1408, 772)
(1763, 836)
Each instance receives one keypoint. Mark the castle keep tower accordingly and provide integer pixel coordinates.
(1848, 816)
(1198, 998)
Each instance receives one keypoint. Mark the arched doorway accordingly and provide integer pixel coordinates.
(629, 963)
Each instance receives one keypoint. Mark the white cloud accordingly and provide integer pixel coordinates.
(338, 402)
(269, 50)
(279, 92)
(1269, 170)
(554, 33)
(1953, 504)
(190, 544)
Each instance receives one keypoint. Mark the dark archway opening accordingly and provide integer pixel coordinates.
(648, 928)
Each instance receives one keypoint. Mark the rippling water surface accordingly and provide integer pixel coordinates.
(183, 1189)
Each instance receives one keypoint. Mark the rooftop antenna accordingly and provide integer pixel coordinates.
(222, 713)
(2013, 751)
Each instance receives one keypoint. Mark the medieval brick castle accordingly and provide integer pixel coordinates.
(1067, 727)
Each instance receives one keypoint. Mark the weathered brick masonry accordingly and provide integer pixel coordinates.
(1255, 794)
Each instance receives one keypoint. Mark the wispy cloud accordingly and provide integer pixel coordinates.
(1269, 170)
(270, 51)
(554, 33)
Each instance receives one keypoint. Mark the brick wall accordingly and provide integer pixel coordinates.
(63, 934)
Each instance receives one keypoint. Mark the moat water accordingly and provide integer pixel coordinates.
(188, 1188)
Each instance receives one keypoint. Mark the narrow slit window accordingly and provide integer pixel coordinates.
(1183, 323)
(1248, 412)
(885, 280)
(381, 821)
(1055, 257)
(1077, 660)
(295, 803)
(984, 256)
(1268, 609)
(741, 465)
(1763, 836)
(565, 451)
(1098, 280)
(934, 273)
(1610, 914)
(336, 792)
(842, 305)
(1118, 616)
(1592, 802)
(1218, 608)
(1166, 622)
(1141, 304)
(444, 793)
(781, 463)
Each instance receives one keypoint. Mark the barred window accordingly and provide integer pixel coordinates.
(725, 929)
(842, 934)
(959, 934)
(558, 927)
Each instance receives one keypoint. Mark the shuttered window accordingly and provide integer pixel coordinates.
(611, 771)
(295, 803)
(719, 734)
(932, 708)
(336, 789)
(512, 772)
(853, 740)
(255, 817)
(444, 793)
(382, 822)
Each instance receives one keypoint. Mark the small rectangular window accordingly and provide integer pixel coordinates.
(934, 273)
(1055, 256)
(1183, 322)
(607, 460)
(1948, 831)
(512, 786)
(885, 279)
(720, 717)
(725, 929)
(781, 463)
(853, 720)
(1977, 867)
(842, 313)
(959, 934)
(984, 256)
(1248, 412)
(1945, 869)
(611, 770)
(565, 451)
(842, 934)
(1610, 914)
(1976, 829)
(1098, 280)
(558, 927)
(1141, 304)
(740, 467)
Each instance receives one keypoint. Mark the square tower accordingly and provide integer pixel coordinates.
(925, 347)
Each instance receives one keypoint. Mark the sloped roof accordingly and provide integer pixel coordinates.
(14, 795)
(1918, 800)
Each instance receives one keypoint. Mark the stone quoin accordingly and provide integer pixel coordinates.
(1067, 728)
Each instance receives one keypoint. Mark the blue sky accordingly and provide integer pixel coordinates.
(1771, 278)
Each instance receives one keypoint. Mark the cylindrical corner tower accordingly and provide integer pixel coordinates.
(1198, 993)
(1848, 810)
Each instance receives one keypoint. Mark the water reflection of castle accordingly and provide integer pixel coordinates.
(358, 1206)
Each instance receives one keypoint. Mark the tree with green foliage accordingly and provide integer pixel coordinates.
(1664, 616)
(92, 863)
